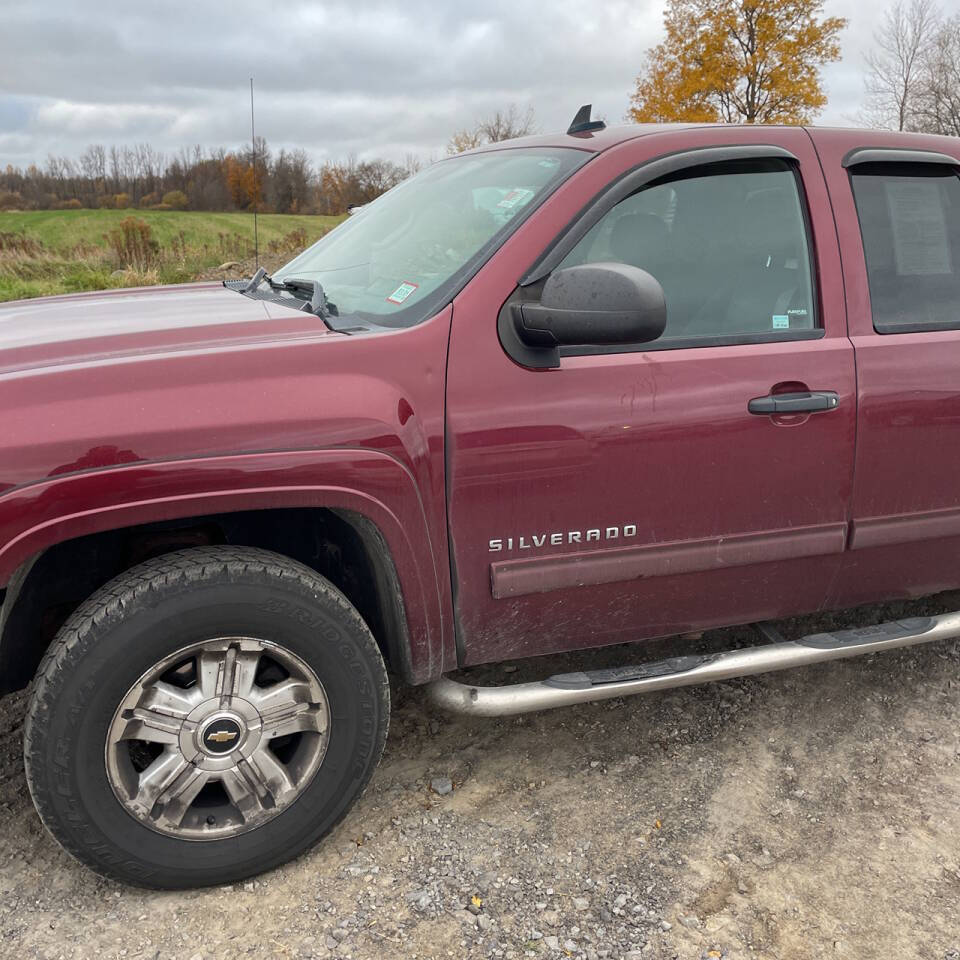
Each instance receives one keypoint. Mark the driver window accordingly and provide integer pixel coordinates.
(728, 244)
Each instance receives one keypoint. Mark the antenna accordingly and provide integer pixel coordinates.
(253, 160)
(582, 122)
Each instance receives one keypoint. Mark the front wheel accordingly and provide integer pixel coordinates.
(205, 716)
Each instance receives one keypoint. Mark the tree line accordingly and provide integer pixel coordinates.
(198, 179)
(221, 180)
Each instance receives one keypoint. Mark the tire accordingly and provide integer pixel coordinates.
(207, 670)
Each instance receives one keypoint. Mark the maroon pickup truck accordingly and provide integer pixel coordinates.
(552, 394)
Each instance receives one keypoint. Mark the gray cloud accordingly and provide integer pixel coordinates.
(335, 78)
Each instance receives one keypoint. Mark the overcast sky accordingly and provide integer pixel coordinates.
(370, 79)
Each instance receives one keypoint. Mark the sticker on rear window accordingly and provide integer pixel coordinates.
(402, 292)
(781, 321)
(515, 198)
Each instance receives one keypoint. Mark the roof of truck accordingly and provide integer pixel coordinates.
(595, 141)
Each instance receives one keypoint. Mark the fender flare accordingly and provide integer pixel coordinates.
(370, 483)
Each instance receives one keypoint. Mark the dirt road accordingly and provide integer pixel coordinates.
(811, 813)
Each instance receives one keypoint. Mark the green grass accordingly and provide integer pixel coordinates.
(61, 230)
(58, 278)
(75, 254)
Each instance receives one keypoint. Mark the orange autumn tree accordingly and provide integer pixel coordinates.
(244, 182)
(239, 179)
(738, 61)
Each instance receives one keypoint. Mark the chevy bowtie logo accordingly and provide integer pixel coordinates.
(222, 736)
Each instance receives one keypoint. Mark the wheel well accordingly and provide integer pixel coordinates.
(345, 547)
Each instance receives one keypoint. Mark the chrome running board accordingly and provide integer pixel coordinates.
(570, 688)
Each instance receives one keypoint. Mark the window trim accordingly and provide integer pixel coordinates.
(860, 155)
(602, 203)
(691, 343)
(630, 182)
(908, 158)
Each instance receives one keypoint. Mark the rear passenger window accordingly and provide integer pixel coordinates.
(728, 243)
(910, 223)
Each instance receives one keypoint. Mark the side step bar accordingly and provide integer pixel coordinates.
(570, 688)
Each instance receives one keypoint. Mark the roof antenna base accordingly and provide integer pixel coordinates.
(582, 122)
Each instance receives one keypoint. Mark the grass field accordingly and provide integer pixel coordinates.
(60, 251)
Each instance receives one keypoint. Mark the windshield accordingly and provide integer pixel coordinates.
(402, 257)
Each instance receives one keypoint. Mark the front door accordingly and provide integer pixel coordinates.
(631, 493)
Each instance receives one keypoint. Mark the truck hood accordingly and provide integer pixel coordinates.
(87, 327)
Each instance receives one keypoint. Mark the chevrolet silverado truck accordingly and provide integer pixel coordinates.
(555, 393)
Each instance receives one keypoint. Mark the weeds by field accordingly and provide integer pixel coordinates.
(63, 251)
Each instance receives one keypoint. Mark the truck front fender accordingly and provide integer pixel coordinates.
(375, 485)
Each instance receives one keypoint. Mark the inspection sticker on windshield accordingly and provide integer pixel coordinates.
(402, 292)
(515, 197)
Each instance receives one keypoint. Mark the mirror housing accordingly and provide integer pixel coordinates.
(593, 304)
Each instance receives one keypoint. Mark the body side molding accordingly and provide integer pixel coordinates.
(513, 578)
(905, 528)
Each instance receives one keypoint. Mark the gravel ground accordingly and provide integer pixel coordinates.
(803, 814)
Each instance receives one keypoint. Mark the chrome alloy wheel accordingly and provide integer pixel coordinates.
(218, 738)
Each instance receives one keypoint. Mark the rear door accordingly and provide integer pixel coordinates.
(629, 492)
(897, 202)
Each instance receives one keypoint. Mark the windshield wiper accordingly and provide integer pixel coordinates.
(256, 280)
(317, 303)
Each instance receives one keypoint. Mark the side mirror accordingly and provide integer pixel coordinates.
(594, 303)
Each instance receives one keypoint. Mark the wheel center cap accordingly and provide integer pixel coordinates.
(217, 737)
(221, 735)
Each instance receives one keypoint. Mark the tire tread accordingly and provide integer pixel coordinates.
(121, 597)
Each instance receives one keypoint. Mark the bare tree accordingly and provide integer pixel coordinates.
(938, 107)
(502, 125)
(465, 140)
(505, 125)
(93, 162)
(149, 164)
(353, 183)
(895, 67)
(411, 164)
(116, 168)
(290, 181)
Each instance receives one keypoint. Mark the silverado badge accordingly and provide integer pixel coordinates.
(560, 537)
